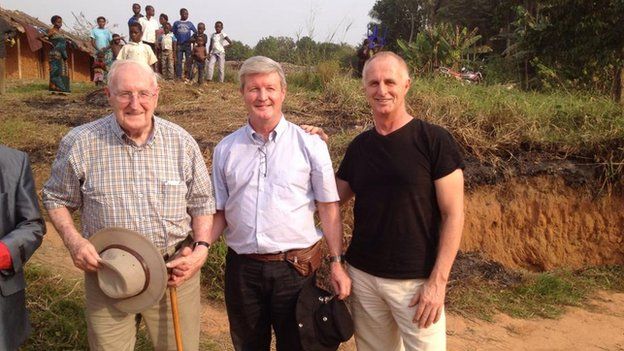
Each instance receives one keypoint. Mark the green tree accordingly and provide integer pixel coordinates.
(576, 43)
(278, 48)
(238, 51)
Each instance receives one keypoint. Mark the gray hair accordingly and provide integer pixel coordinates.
(386, 54)
(117, 64)
(260, 65)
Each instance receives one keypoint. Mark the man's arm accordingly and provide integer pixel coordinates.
(228, 40)
(210, 46)
(189, 261)
(83, 253)
(430, 299)
(26, 237)
(344, 191)
(329, 213)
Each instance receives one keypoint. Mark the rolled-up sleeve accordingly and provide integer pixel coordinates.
(200, 198)
(322, 174)
(63, 187)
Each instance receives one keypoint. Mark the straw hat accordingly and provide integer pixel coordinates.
(132, 271)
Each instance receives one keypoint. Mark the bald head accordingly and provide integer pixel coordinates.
(386, 56)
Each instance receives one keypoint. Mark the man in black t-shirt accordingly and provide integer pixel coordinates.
(407, 179)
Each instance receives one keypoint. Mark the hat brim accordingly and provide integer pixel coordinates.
(153, 260)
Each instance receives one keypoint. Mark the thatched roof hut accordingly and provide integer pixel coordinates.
(28, 57)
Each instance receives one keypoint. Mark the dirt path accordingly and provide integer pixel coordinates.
(600, 326)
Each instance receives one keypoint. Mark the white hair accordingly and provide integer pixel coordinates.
(117, 64)
(260, 65)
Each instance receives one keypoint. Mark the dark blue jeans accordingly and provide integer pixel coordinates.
(258, 296)
(183, 49)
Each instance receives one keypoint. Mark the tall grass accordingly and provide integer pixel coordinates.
(498, 120)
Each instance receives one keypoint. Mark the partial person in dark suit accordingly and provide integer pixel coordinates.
(21, 232)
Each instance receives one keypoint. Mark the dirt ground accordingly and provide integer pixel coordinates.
(532, 219)
(597, 327)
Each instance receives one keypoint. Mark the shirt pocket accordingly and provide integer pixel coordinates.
(293, 182)
(173, 193)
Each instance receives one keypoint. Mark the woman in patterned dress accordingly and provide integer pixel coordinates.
(59, 72)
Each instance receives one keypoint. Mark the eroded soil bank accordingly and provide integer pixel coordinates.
(540, 223)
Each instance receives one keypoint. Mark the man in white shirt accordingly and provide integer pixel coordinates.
(270, 177)
(218, 41)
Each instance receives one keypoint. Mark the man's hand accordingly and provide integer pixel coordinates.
(84, 255)
(185, 264)
(315, 131)
(340, 280)
(429, 300)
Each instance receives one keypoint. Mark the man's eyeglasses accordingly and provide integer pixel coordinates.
(126, 96)
(263, 160)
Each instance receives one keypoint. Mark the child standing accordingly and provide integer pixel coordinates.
(199, 58)
(116, 45)
(218, 41)
(99, 69)
(167, 45)
(136, 50)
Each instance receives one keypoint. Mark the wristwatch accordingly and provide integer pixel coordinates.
(197, 243)
(339, 259)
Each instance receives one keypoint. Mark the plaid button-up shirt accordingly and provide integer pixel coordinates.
(153, 189)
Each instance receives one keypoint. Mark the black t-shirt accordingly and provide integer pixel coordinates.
(397, 219)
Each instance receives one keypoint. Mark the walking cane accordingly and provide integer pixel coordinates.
(173, 294)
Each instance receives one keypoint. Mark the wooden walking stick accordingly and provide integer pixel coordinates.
(173, 294)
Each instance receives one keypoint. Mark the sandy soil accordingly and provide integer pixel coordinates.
(598, 326)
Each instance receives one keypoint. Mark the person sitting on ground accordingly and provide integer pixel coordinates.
(199, 58)
(116, 45)
(99, 69)
(136, 50)
(218, 41)
(167, 46)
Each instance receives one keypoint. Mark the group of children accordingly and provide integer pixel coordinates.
(178, 43)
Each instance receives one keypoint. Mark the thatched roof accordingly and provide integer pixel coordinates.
(18, 19)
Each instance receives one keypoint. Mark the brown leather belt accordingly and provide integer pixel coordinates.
(306, 261)
(281, 256)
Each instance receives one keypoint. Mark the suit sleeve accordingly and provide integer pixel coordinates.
(28, 233)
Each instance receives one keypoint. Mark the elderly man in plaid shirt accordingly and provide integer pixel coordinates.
(134, 170)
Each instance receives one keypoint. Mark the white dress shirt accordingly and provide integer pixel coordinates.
(268, 189)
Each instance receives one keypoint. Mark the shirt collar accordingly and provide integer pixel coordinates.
(275, 134)
(124, 138)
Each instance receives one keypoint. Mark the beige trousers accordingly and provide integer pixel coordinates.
(383, 319)
(112, 330)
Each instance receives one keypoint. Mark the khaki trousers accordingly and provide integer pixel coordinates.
(383, 320)
(112, 330)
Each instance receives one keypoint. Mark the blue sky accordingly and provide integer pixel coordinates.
(244, 20)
